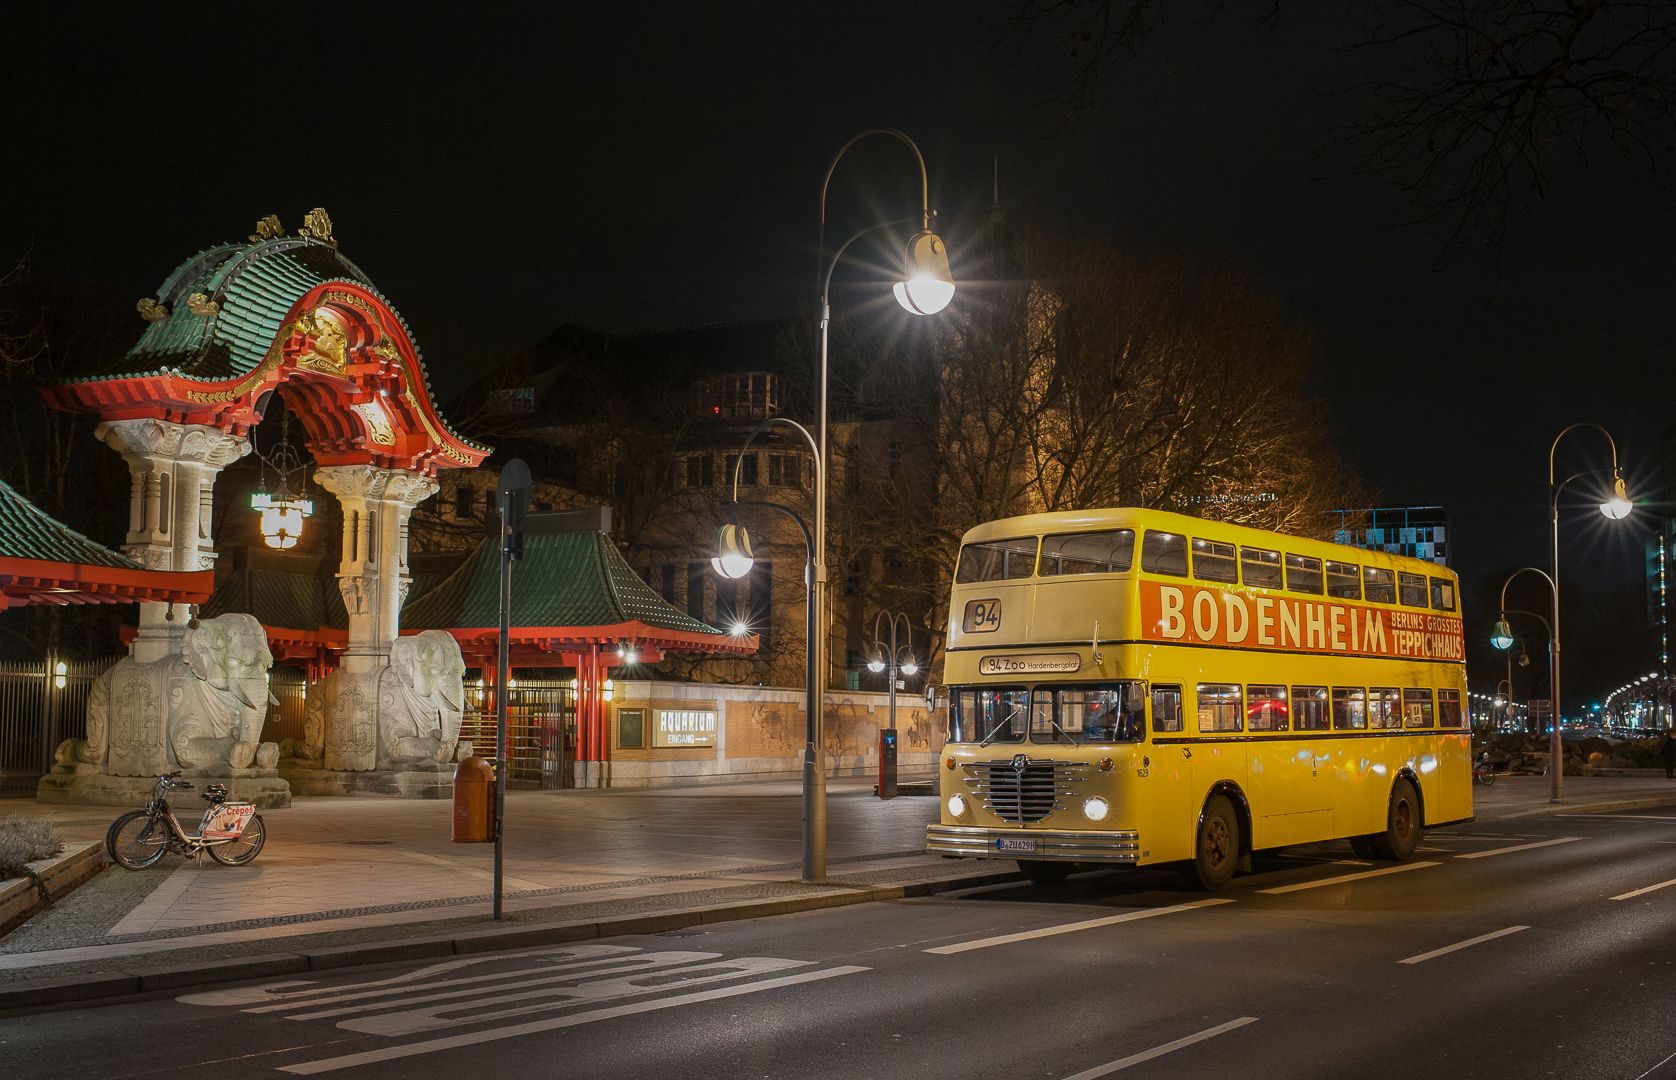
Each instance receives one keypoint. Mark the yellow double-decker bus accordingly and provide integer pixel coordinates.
(1137, 687)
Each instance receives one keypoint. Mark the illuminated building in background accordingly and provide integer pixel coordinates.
(1419, 532)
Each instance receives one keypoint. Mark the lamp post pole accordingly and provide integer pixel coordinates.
(1617, 508)
(1556, 763)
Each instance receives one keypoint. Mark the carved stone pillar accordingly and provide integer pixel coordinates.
(174, 467)
(373, 575)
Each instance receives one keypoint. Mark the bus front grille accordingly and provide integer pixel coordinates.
(1024, 790)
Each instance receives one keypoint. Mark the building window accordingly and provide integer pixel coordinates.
(747, 470)
(701, 471)
(852, 578)
(852, 468)
(695, 591)
(465, 501)
(895, 460)
(727, 603)
(762, 600)
(631, 729)
(738, 395)
(668, 589)
(519, 399)
(785, 470)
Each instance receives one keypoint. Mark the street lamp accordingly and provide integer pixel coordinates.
(1502, 639)
(887, 783)
(1616, 509)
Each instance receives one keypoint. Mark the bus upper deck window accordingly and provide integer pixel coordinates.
(1213, 561)
(1166, 708)
(1164, 553)
(1416, 708)
(1265, 708)
(1350, 708)
(1303, 574)
(1088, 553)
(1309, 709)
(1219, 707)
(1412, 589)
(1344, 580)
(1261, 568)
(991, 714)
(1443, 594)
(1381, 585)
(996, 560)
(1448, 708)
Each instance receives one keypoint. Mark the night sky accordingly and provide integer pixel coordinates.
(638, 166)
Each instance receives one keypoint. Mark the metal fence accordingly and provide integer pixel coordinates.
(540, 732)
(285, 720)
(40, 707)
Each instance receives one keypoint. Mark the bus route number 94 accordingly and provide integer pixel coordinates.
(982, 616)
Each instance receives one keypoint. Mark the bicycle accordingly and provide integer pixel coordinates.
(232, 832)
(1481, 771)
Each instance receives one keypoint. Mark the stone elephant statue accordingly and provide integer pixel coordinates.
(203, 709)
(406, 715)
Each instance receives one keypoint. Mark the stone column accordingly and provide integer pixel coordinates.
(174, 467)
(373, 575)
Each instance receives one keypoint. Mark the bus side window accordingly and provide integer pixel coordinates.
(1214, 562)
(1417, 708)
(1412, 588)
(1381, 585)
(1350, 708)
(1309, 708)
(1266, 708)
(1344, 581)
(1219, 707)
(1261, 568)
(1443, 594)
(1166, 708)
(1384, 707)
(1449, 708)
(1303, 574)
(1164, 553)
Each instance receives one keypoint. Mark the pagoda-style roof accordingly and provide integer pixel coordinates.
(238, 321)
(44, 561)
(571, 590)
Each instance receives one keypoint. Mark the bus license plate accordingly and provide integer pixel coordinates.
(1007, 843)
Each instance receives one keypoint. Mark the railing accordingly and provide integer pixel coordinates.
(36, 714)
(285, 720)
(540, 732)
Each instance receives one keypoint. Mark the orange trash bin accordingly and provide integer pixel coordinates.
(474, 801)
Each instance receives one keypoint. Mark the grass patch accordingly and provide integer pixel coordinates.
(24, 840)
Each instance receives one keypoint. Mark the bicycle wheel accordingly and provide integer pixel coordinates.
(137, 840)
(243, 847)
(1489, 778)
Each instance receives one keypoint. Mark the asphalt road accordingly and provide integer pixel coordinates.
(1519, 949)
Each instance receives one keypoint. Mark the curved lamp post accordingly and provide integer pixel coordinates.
(1616, 508)
(1502, 637)
(925, 288)
(891, 659)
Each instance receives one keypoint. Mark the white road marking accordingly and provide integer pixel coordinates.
(1462, 945)
(1160, 1051)
(390, 1053)
(1519, 847)
(1067, 928)
(1342, 878)
(1648, 889)
(1630, 817)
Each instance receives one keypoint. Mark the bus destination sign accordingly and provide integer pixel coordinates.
(1030, 664)
(1190, 614)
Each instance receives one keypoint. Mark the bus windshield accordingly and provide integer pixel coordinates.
(1070, 715)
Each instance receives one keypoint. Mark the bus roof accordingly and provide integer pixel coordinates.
(1134, 517)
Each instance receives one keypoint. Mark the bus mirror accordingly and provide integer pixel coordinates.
(930, 698)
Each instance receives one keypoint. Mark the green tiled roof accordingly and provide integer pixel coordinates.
(28, 532)
(254, 284)
(564, 579)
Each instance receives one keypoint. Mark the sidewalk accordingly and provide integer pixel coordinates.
(341, 875)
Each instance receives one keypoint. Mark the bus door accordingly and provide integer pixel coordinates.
(1290, 774)
(1169, 789)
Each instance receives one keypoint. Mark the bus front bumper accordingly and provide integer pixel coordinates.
(1045, 844)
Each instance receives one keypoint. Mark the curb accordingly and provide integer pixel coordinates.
(111, 986)
(21, 900)
(1592, 808)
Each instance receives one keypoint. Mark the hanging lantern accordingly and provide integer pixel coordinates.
(283, 511)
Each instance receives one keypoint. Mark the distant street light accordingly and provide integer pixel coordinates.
(1502, 636)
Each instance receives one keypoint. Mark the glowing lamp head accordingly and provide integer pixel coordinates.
(910, 668)
(733, 552)
(1095, 809)
(1618, 506)
(927, 285)
(1502, 636)
(739, 629)
(957, 805)
(282, 516)
(607, 690)
(875, 664)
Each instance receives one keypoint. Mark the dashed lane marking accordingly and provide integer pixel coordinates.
(1068, 928)
(1160, 1051)
(1519, 847)
(1468, 943)
(1342, 878)
(1648, 889)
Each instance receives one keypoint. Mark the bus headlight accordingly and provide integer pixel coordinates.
(1094, 809)
(957, 806)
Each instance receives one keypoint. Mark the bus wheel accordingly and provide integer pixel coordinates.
(1043, 872)
(1217, 850)
(1402, 824)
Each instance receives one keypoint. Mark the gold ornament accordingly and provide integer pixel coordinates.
(268, 228)
(150, 310)
(200, 304)
(318, 225)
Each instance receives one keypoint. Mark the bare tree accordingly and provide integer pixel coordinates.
(1472, 105)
